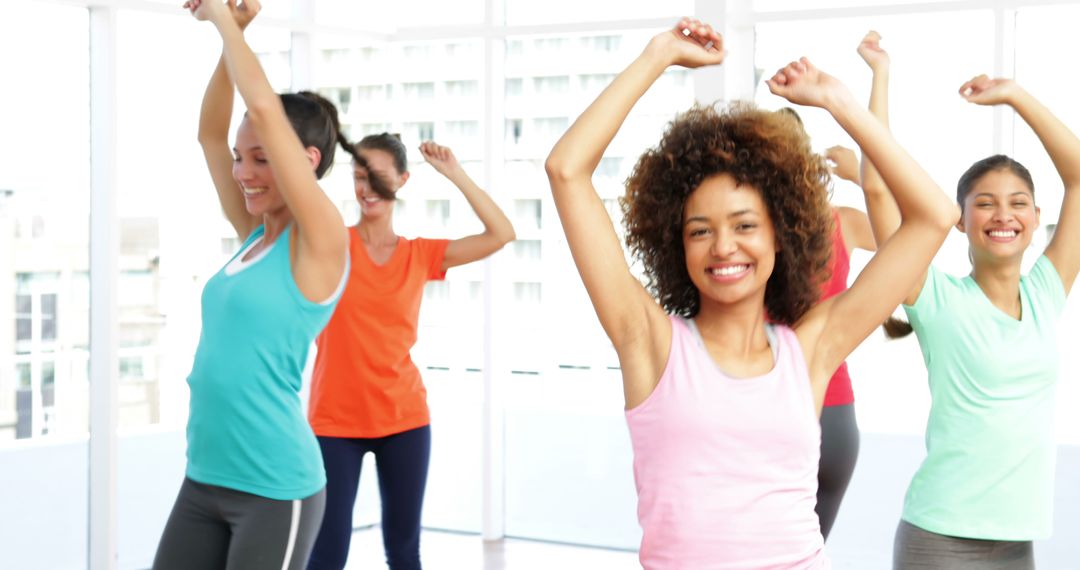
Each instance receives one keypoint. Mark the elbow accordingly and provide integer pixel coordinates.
(949, 217)
(561, 170)
(501, 237)
(507, 236)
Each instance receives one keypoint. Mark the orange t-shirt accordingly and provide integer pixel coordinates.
(364, 383)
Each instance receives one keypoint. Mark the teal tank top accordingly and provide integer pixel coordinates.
(247, 429)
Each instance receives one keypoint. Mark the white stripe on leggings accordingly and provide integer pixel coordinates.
(294, 529)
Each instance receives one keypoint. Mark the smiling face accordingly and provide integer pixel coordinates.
(729, 240)
(1000, 217)
(252, 172)
(382, 163)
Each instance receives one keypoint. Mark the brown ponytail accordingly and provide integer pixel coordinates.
(896, 328)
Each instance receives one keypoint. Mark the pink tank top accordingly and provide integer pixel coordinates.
(726, 469)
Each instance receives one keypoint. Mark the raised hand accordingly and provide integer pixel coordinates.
(982, 90)
(244, 12)
(207, 10)
(689, 44)
(441, 158)
(870, 50)
(843, 163)
(803, 84)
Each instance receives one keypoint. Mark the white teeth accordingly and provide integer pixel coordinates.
(255, 191)
(729, 270)
(1003, 233)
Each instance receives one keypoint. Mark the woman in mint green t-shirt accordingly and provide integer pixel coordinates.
(985, 490)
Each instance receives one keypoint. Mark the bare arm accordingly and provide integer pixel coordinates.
(855, 227)
(214, 117)
(214, 138)
(498, 231)
(632, 319)
(1064, 150)
(831, 330)
(321, 246)
(880, 206)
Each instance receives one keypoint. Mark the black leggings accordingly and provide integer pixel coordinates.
(839, 451)
(214, 528)
(401, 461)
(918, 549)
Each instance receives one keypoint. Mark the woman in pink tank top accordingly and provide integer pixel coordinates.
(729, 217)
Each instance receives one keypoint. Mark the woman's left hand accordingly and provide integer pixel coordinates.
(440, 157)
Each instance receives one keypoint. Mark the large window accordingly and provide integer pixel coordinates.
(44, 245)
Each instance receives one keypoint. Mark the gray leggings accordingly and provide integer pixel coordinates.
(214, 527)
(917, 549)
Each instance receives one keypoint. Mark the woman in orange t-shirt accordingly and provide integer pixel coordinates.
(366, 394)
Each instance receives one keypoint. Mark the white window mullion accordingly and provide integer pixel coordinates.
(300, 53)
(104, 247)
(735, 78)
(1004, 66)
(493, 476)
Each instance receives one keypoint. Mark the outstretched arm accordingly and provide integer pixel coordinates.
(880, 206)
(498, 231)
(322, 244)
(214, 118)
(632, 319)
(831, 330)
(1064, 150)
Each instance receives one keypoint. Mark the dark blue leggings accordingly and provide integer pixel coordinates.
(401, 461)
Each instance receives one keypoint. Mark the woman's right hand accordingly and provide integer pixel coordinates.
(982, 90)
(843, 163)
(689, 44)
(803, 84)
(242, 13)
(870, 50)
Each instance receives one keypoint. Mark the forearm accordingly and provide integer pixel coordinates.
(1060, 142)
(495, 222)
(246, 72)
(217, 103)
(881, 208)
(578, 152)
(917, 196)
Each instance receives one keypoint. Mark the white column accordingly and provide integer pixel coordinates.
(735, 78)
(493, 477)
(300, 53)
(1004, 66)
(104, 245)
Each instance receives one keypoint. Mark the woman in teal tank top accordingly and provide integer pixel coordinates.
(253, 493)
(985, 490)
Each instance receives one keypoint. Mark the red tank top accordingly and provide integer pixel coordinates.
(839, 392)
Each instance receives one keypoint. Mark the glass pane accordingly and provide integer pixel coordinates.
(781, 5)
(561, 486)
(402, 14)
(44, 228)
(1038, 46)
(526, 12)
(942, 132)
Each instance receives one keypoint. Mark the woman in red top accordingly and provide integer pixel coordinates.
(367, 395)
(839, 428)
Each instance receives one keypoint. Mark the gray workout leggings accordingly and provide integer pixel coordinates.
(917, 549)
(214, 527)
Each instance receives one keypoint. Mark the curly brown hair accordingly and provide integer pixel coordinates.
(762, 149)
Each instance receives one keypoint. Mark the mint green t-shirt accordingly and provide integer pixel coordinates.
(989, 467)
